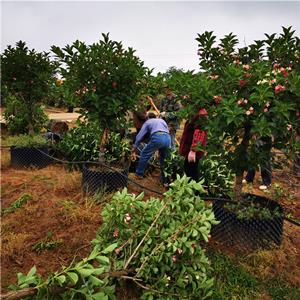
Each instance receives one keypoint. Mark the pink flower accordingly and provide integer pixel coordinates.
(276, 66)
(246, 67)
(116, 233)
(117, 251)
(14, 78)
(273, 81)
(94, 88)
(284, 72)
(217, 99)
(289, 127)
(127, 218)
(179, 251)
(237, 62)
(251, 109)
(240, 101)
(267, 104)
(266, 109)
(174, 258)
(245, 101)
(248, 112)
(247, 75)
(279, 88)
(242, 82)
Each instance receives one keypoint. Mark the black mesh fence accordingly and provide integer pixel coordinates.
(102, 178)
(30, 157)
(250, 233)
(242, 233)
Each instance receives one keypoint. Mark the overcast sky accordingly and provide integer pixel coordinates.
(162, 32)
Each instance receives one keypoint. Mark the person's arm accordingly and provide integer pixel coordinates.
(199, 137)
(139, 138)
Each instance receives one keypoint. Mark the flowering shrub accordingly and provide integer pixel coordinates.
(255, 94)
(26, 75)
(161, 240)
(104, 77)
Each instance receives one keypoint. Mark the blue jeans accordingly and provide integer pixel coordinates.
(158, 141)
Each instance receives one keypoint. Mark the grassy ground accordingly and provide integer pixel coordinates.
(47, 221)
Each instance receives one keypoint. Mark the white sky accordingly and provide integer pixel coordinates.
(162, 32)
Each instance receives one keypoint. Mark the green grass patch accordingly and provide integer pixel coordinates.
(24, 140)
(17, 204)
(280, 290)
(232, 281)
(47, 243)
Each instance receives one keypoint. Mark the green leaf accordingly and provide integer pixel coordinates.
(100, 296)
(32, 271)
(110, 248)
(102, 260)
(73, 276)
(21, 278)
(86, 272)
(99, 271)
(95, 281)
(93, 254)
(61, 279)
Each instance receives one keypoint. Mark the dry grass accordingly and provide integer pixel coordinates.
(13, 243)
(5, 158)
(283, 262)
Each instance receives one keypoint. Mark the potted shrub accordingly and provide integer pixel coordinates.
(26, 76)
(106, 80)
(80, 146)
(254, 93)
(28, 151)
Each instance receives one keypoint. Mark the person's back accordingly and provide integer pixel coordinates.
(155, 125)
(159, 140)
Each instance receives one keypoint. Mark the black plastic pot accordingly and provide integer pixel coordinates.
(103, 179)
(251, 233)
(26, 157)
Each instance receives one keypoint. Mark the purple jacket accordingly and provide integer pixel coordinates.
(150, 126)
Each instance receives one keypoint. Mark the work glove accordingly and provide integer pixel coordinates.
(192, 156)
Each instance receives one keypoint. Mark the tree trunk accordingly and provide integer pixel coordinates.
(238, 186)
(241, 154)
(103, 142)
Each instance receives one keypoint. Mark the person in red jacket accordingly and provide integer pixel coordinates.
(192, 138)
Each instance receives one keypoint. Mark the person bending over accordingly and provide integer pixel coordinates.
(159, 140)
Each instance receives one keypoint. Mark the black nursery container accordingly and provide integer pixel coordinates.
(26, 157)
(103, 178)
(249, 234)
